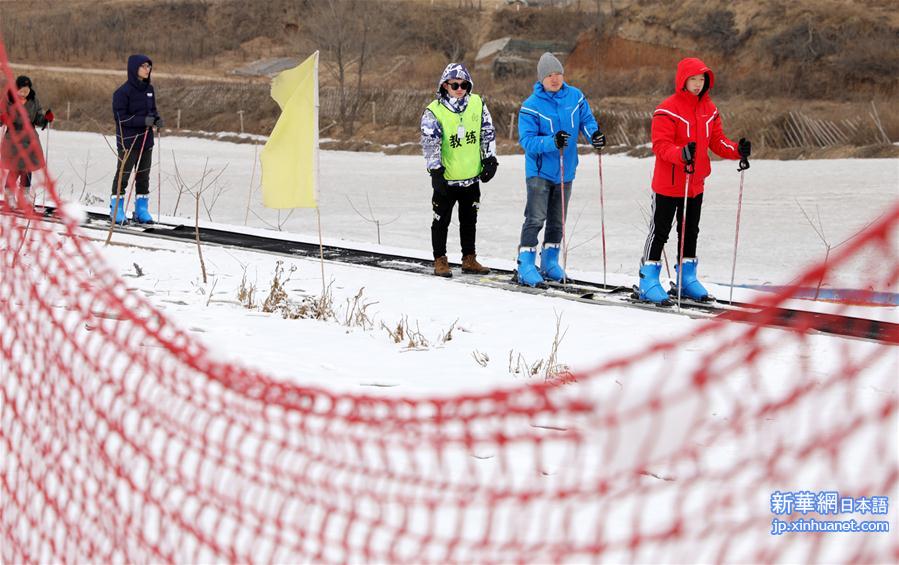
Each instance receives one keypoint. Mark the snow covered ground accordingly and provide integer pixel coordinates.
(492, 325)
(497, 334)
(776, 240)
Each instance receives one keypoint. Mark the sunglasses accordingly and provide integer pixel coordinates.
(457, 85)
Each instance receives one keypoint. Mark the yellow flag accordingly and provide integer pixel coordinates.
(290, 157)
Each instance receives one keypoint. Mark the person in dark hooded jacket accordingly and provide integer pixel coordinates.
(685, 126)
(21, 151)
(135, 115)
(458, 140)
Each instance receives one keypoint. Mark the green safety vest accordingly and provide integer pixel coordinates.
(460, 150)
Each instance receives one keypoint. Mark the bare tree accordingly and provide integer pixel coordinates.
(84, 179)
(371, 216)
(828, 246)
(341, 29)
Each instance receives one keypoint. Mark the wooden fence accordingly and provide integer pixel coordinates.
(792, 129)
(230, 107)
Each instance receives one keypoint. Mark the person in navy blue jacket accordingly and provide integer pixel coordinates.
(135, 114)
(554, 114)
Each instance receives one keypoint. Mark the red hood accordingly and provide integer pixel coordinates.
(689, 67)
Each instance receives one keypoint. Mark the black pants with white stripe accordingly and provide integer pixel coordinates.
(664, 210)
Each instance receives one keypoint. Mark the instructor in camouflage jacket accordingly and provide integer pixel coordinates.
(459, 144)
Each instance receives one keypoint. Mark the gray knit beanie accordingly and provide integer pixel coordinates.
(548, 65)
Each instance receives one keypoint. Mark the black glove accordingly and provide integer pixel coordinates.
(488, 168)
(149, 121)
(438, 182)
(598, 140)
(561, 139)
(688, 153)
(744, 148)
(159, 123)
(46, 119)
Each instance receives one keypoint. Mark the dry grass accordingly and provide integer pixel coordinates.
(246, 293)
(186, 31)
(802, 49)
(277, 295)
(278, 300)
(356, 312)
(404, 332)
(549, 368)
(480, 358)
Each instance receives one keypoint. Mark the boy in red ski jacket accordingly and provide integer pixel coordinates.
(684, 127)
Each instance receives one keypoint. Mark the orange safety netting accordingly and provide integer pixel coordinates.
(123, 440)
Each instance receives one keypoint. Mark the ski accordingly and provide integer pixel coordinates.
(576, 286)
(590, 293)
(130, 226)
(43, 212)
(581, 291)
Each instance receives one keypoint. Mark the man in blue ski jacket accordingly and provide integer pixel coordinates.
(135, 115)
(549, 123)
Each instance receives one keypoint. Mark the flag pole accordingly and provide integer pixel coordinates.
(315, 164)
(290, 173)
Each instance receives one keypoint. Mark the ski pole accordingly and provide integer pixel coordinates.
(46, 163)
(733, 267)
(602, 217)
(688, 168)
(562, 179)
(158, 172)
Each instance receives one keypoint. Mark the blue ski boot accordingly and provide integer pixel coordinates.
(142, 209)
(528, 274)
(549, 263)
(650, 288)
(117, 214)
(690, 286)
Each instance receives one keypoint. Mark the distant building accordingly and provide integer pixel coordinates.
(509, 56)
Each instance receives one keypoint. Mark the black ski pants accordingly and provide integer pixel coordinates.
(442, 203)
(142, 160)
(664, 210)
(23, 178)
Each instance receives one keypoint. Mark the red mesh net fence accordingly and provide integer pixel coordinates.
(123, 440)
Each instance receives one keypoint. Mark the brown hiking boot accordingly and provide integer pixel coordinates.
(470, 265)
(441, 267)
